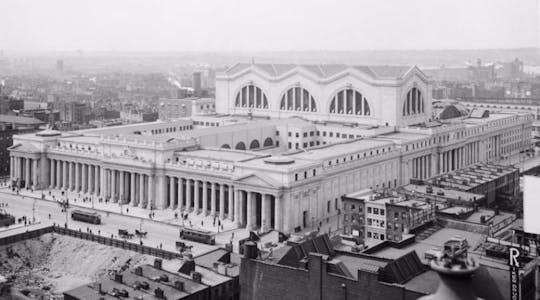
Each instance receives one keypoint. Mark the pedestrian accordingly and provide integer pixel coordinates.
(140, 242)
(190, 224)
(219, 223)
(99, 232)
(153, 214)
(127, 210)
(160, 246)
(202, 223)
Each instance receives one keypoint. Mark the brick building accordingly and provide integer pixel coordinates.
(370, 218)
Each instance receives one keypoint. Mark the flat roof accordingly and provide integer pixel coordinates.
(219, 154)
(20, 120)
(448, 193)
(342, 148)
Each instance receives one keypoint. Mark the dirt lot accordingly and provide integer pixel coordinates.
(53, 263)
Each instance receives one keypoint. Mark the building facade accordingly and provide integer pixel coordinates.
(284, 144)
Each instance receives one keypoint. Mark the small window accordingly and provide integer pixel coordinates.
(295, 177)
(305, 134)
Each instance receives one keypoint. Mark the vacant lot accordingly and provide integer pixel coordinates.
(52, 263)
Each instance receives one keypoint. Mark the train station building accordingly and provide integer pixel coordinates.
(284, 144)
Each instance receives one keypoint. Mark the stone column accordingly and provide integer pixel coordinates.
(96, 180)
(112, 176)
(205, 198)
(172, 192)
(103, 185)
(196, 193)
(222, 201)
(132, 187)
(122, 187)
(213, 199)
(35, 174)
(231, 203)
(58, 174)
(237, 205)
(180, 194)
(264, 211)
(141, 191)
(249, 211)
(27, 172)
(188, 195)
(12, 168)
(278, 220)
(151, 199)
(77, 177)
(53, 174)
(84, 178)
(91, 179)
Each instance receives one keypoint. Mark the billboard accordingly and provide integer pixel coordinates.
(531, 204)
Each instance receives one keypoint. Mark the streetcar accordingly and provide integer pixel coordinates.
(88, 217)
(196, 235)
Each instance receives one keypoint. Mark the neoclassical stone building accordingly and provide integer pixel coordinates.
(285, 143)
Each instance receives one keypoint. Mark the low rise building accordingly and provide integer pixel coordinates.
(155, 282)
(370, 218)
(497, 182)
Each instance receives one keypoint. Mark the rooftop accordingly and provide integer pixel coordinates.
(20, 120)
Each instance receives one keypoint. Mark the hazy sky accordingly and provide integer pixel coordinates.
(213, 25)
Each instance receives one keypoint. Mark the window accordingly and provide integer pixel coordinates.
(369, 210)
(330, 134)
(290, 134)
(305, 174)
(369, 234)
(277, 133)
(295, 177)
(349, 102)
(314, 172)
(324, 133)
(382, 212)
(298, 99)
(251, 96)
(311, 133)
(337, 134)
(305, 134)
(297, 134)
(375, 211)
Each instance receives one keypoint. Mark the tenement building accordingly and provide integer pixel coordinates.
(284, 144)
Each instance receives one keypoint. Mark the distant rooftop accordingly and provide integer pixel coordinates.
(20, 120)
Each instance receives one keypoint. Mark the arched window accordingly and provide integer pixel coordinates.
(298, 99)
(225, 146)
(349, 102)
(268, 142)
(240, 146)
(254, 144)
(414, 104)
(251, 96)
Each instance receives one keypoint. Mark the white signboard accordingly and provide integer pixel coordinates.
(531, 204)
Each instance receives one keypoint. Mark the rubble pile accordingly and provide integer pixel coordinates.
(52, 263)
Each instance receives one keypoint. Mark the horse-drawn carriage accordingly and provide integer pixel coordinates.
(122, 233)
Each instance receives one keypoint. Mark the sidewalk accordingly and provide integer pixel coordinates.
(165, 216)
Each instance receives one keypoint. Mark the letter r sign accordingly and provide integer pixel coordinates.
(513, 257)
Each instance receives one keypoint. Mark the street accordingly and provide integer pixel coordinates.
(158, 233)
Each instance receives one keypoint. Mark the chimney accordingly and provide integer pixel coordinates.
(138, 271)
(157, 263)
(118, 277)
(196, 276)
(179, 285)
(159, 293)
(250, 250)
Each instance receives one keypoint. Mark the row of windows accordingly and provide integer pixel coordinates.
(297, 176)
(347, 101)
(201, 123)
(358, 155)
(375, 235)
(375, 211)
(171, 129)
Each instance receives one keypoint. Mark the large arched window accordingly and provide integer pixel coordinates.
(298, 99)
(251, 96)
(254, 144)
(414, 104)
(349, 102)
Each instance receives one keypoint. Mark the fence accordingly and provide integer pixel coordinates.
(90, 237)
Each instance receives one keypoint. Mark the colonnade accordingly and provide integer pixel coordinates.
(459, 157)
(25, 171)
(421, 167)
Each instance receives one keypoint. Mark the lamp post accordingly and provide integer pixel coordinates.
(34, 211)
